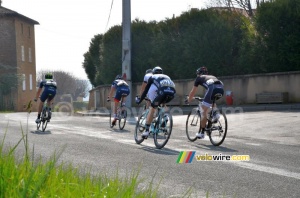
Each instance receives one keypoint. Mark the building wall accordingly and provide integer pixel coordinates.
(8, 57)
(243, 87)
(26, 61)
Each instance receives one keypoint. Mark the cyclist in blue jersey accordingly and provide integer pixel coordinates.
(159, 89)
(48, 94)
(121, 89)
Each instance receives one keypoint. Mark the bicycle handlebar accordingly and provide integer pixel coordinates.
(195, 98)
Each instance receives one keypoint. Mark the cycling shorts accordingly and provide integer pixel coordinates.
(48, 94)
(212, 90)
(161, 95)
(121, 91)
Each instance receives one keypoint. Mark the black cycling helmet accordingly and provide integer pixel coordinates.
(148, 71)
(157, 70)
(48, 76)
(202, 71)
(119, 77)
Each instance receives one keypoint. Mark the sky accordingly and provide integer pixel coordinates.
(67, 26)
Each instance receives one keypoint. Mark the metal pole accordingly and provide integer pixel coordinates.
(126, 47)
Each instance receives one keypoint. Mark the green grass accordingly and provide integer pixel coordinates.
(28, 177)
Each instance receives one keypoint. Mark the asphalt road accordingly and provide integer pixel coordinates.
(270, 138)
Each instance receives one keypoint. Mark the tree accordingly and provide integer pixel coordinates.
(278, 25)
(247, 5)
(92, 60)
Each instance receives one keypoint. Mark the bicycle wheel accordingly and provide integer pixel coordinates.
(163, 130)
(38, 126)
(192, 125)
(218, 130)
(122, 119)
(110, 120)
(140, 128)
(44, 119)
(44, 124)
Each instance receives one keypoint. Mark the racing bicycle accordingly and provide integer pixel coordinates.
(160, 128)
(44, 117)
(121, 115)
(216, 129)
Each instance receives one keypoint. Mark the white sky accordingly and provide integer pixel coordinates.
(67, 26)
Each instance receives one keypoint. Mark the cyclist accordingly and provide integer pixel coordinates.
(160, 89)
(48, 94)
(121, 89)
(212, 85)
(145, 81)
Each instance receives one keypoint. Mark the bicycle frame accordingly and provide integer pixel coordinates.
(160, 127)
(215, 129)
(121, 114)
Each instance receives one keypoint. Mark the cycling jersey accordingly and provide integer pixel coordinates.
(49, 92)
(146, 77)
(160, 89)
(122, 89)
(212, 85)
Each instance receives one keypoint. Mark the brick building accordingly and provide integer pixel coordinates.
(17, 60)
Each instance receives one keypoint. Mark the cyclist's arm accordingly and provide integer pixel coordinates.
(150, 81)
(143, 88)
(192, 93)
(112, 89)
(38, 93)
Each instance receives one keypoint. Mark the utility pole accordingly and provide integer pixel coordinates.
(126, 47)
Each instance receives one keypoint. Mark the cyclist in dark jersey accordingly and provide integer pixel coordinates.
(122, 90)
(212, 85)
(160, 89)
(48, 94)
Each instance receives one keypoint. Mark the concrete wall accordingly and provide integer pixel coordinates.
(244, 88)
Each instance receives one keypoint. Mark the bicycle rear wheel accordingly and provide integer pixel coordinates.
(44, 124)
(38, 126)
(163, 130)
(193, 125)
(140, 128)
(122, 119)
(110, 120)
(218, 130)
(44, 119)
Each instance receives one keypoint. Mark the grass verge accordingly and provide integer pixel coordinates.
(27, 177)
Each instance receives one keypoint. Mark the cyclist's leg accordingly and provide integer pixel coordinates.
(206, 104)
(117, 99)
(43, 97)
(152, 95)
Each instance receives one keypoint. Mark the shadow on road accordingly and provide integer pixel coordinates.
(39, 132)
(117, 130)
(163, 151)
(216, 148)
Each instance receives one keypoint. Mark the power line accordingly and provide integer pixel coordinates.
(112, 2)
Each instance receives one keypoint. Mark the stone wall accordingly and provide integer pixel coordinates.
(243, 87)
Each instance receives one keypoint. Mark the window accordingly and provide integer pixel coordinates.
(24, 82)
(30, 81)
(29, 55)
(23, 53)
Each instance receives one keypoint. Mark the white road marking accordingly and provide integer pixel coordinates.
(267, 169)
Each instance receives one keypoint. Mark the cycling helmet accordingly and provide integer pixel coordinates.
(119, 77)
(48, 76)
(148, 71)
(202, 71)
(157, 70)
